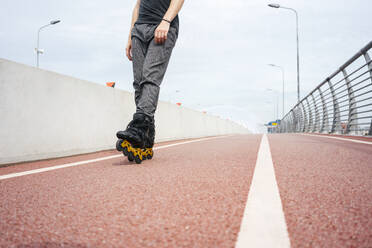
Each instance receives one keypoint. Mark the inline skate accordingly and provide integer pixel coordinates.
(137, 140)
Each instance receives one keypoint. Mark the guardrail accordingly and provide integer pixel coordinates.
(341, 104)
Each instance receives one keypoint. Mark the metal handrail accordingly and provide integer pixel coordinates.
(338, 103)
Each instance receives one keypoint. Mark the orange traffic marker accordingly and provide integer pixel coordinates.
(111, 84)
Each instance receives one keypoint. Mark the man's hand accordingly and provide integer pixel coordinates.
(128, 49)
(161, 32)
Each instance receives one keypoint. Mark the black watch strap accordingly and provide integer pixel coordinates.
(167, 20)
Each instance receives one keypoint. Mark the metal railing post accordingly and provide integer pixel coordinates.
(298, 120)
(369, 62)
(295, 119)
(336, 110)
(316, 122)
(291, 121)
(301, 118)
(305, 117)
(325, 113)
(310, 126)
(287, 126)
(351, 121)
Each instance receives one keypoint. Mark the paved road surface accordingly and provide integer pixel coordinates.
(193, 195)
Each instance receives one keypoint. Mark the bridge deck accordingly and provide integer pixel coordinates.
(194, 194)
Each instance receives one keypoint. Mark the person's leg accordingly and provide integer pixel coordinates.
(141, 37)
(141, 130)
(139, 49)
(134, 133)
(154, 68)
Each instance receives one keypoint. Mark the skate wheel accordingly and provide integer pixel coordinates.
(125, 151)
(144, 154)
(118, 145)
(150, 153)
(131, 157)
(137, 159)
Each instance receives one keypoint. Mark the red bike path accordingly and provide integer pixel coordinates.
(190, 195)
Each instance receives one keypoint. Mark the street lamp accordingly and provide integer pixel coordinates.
(37, 49)
(277, 6)
(282, 70)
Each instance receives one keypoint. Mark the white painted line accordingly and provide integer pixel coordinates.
(191, 141)
(344, 139)
(24, 173)
(263, 223)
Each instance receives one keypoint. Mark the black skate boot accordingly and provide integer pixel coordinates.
(132, 141)
(148, 152)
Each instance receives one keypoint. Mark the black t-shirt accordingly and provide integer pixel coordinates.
(153, 11)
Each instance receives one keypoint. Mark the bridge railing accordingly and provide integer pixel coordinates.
(341, 104)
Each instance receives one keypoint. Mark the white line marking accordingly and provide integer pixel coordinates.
(24, 173)
(191, 141)
(263, 223)
(344, 139)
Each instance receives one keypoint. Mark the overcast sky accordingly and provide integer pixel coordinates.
(220, 60)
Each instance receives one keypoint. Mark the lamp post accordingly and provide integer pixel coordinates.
(37, 49)
(277, 6)
(282, 70)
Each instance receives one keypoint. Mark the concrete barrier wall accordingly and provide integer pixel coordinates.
(45, 114)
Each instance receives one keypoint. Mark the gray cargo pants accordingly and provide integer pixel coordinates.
(150, 61)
